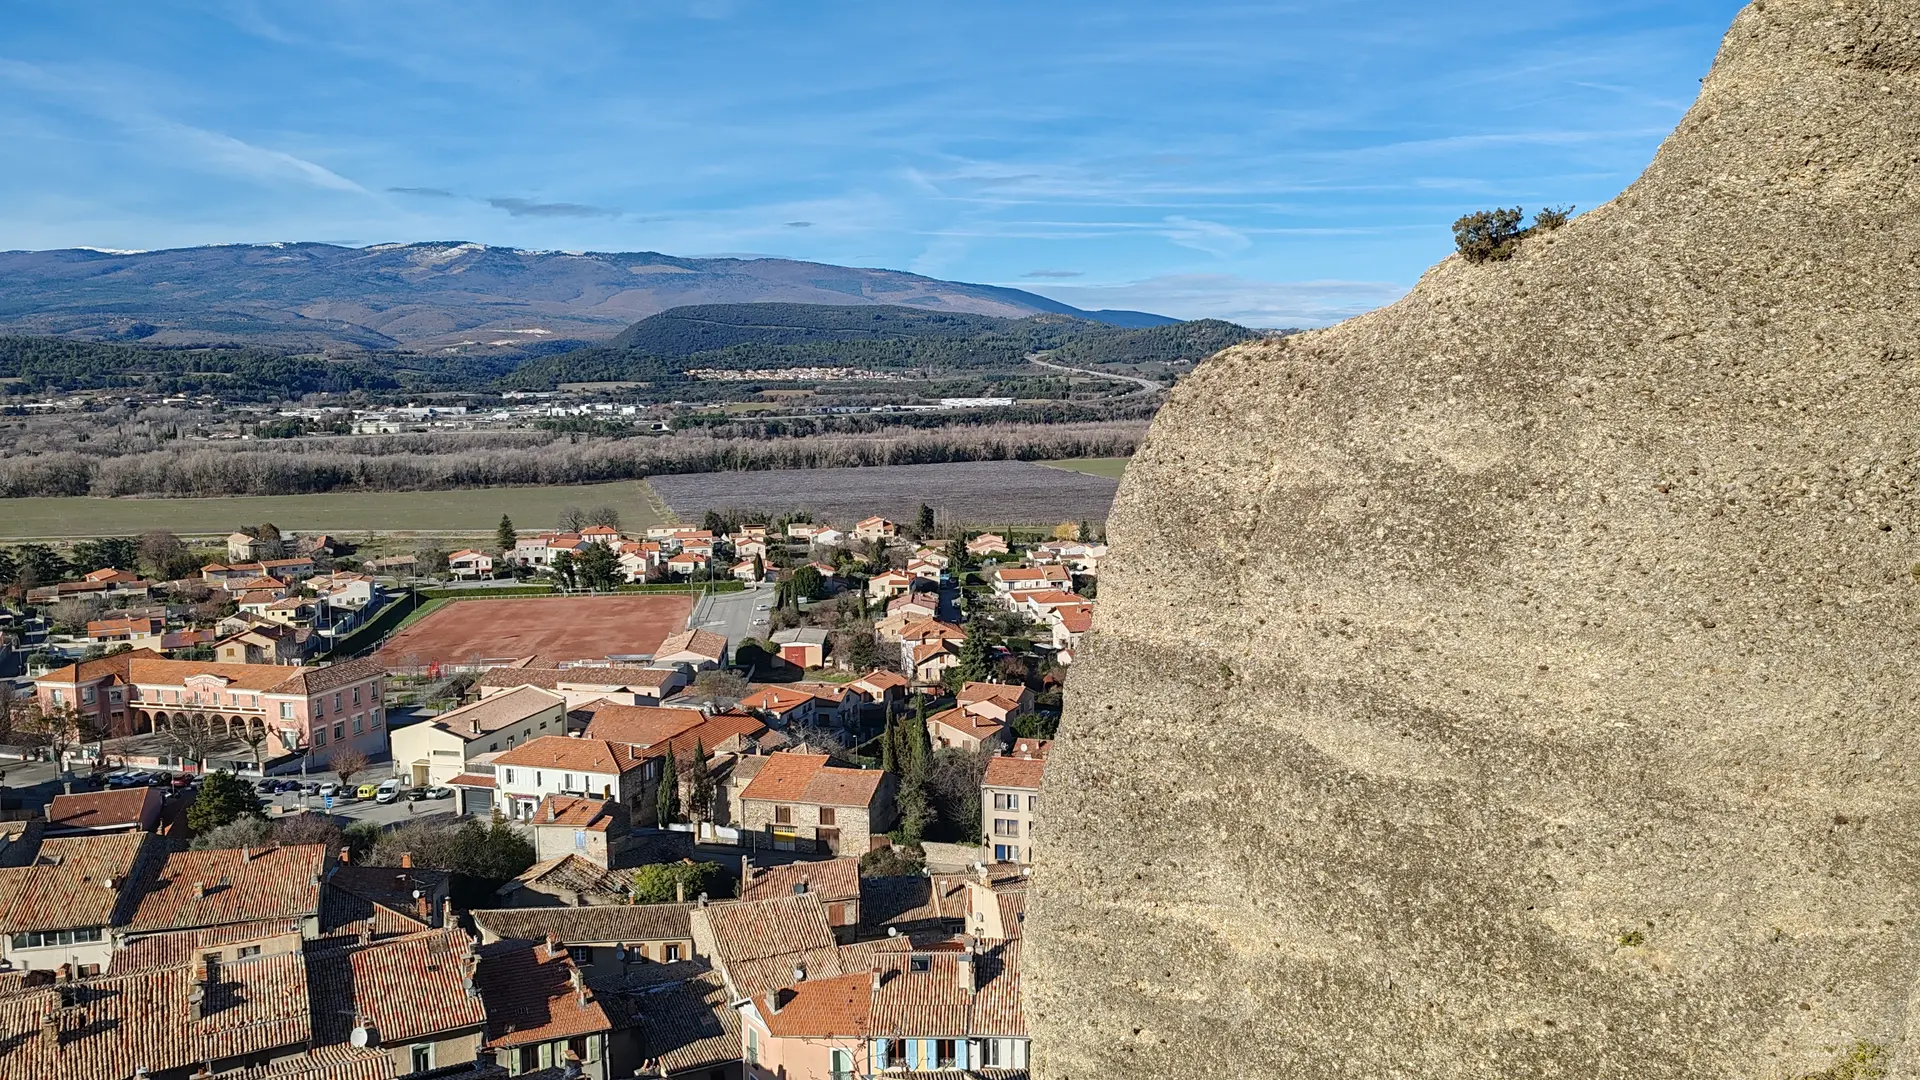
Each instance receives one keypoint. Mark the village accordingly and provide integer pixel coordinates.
(750, 799)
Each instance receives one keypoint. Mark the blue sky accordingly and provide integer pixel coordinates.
(1280, 164)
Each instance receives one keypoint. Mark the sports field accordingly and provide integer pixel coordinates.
(1109, 467)
(473, 510)
(1001, 492)
(555, 629)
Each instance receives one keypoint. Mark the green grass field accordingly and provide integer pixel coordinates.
(1109, 467)
(473, 510)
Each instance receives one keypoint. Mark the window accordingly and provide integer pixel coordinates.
(336, 702)
(753, 1047)
(422, 1054)
(375, 717)
(246, 951)
(567, 782)
(990, 1055)
(943, 1053)
(1033, 803)
(359, 723)
(1006, 853)
(40, 939)
(339, 730)
(581, 954)
(1006, 826)
(356, 695)
(919, 963)
(881, 1054)
(1005, 802)
(579, 839)
(783, 815)
(671, 953)
(509, 776)
(286, 710)
(319, 707)
(841, 1065)
(492, 746)
(320, 736)
(55, 696)
(826, 816)
(583, 1046)
(86, 696)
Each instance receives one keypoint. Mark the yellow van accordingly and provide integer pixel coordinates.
(367, 791)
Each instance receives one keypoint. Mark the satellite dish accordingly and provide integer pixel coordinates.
(893, 931)
(361, 1037)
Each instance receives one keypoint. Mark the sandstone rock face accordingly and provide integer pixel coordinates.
(1519, 682)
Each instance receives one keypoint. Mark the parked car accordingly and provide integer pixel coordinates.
(312, 787)
(367, 791)
(388, 791)
(159, 779)
(440, 793)
(125, 778)
(416, 794)
(182, 782)
(328, 788)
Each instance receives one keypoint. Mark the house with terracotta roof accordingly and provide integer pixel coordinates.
(558, 765)
(691, 1029)
(1069, 624)
(947, 1011)
(267, 643)
(881, 688)
(539, 551)
(802, 646)
(987, 544)
(445, 746)
(996, 701)
(835, 881)
(1010, 800)
(419, 1001)
(607, 941)
(304, 710)
(930, 660)
(243, 548)
(961, 730)
(799, 802)
(780, 706)
(593, 829)
(137, 631)
(469, 564)
(891, 583)
(875, 528)
(568, 881)
(60, 908)
(1009, 581)
(582, 684)
(1039, 604)
(122, 810)
(702, 650)
(605, 535)
(191, 890)
(541, 1014)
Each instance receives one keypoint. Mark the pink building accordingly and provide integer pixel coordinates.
(304, 710)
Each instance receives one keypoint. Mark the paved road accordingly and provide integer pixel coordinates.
(1147, 385)
(738, 615)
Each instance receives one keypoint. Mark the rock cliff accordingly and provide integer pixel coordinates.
(1519, 681)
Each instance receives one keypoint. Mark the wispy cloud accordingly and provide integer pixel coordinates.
(423, 192)
(1053, 274)
(537, 209)
(1208, 236)
(799, 224)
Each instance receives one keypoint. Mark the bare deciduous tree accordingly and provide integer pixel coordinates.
(347, 763)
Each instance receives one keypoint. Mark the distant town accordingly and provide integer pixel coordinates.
(751, 798)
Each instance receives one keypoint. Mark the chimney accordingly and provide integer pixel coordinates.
(553, 945)
(746, 873)
(446, 912)
(679, 892)
(50, 1032)
(963, 971)
(197, 1003)
(406, 860)
(200, 890)
(64, 973)
(579, 982)
(778, 1000)
(876, 980)
(246, 854)
(346, 855)
(366, 931)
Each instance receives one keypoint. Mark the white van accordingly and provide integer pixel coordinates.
(388, 792)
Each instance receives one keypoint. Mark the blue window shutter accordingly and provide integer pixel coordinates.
(960, 1047)
(879, 1053)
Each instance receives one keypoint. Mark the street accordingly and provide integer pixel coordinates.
(734, 614)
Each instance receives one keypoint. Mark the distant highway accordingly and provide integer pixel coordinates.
(1147, 385)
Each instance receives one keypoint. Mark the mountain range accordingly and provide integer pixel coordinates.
(437, 296)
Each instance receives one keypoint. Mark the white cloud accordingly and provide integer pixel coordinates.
(1208, 236)
(1247, 301)
(214, 148)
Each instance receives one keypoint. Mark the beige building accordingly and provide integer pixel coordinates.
(1010, 801)
(435, 751)
(593, 829)
(798, 802)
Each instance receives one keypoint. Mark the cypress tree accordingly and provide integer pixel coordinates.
(667, 802)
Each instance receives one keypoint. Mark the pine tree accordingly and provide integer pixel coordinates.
(505, 538)
(887, 736)
(667, 802)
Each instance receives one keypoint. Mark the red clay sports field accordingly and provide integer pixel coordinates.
(556, 629)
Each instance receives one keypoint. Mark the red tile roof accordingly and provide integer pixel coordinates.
(691, 1026)
(575, 755)
(574, 812)
(1009, 771)
(1006, 695)
(601, 678)
(209, 888)
(807, 778)
(74, 882)
(411, 988)
(533, 995)
(832, 880)
(639, 725)
(157, 952)
(976, 727)
(699, 642)
(102, 809)
(775, 699)
(819, 1007)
